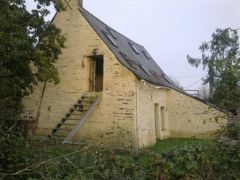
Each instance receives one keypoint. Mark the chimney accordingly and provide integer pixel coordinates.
(80, 3)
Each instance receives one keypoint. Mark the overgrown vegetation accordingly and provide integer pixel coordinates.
(29, 47)
(168, 159)
(221, 58)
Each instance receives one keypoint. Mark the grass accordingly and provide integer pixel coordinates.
(165, 145)
(147, 155)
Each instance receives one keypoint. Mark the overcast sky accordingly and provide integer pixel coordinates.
(169, 29)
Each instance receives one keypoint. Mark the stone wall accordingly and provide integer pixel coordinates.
(147, 96)
(115, 115)
(189, 117)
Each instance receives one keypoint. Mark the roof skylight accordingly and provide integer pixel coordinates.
(156, 75)
(146, 54)
(134, 48)
(131, 62)
(110, 38)
(112, 32)
(145, 70)
(167, 78)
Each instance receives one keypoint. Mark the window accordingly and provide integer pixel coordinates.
(146, 54)
(110, 38)
(130, 61)
(156, 75)
(167, 78)
(112, 32)
(145, 70)
(134, 48)
(162, 110)
(157, 117)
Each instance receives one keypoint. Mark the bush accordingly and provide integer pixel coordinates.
(189, 159)
(220, 159)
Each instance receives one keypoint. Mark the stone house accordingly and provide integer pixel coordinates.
(111, 91)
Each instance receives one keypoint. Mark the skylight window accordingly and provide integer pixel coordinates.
(134, 48)
(156, 75)
(167, 78)
(146, 54)
(145, 70)
(112, 33)
(131, 62)
(110, 38)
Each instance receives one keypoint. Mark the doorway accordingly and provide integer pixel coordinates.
(96, 73)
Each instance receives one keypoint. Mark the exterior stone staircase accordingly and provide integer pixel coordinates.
(74, 119)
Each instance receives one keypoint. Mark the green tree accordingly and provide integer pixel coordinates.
(29, 47)
(221, 58)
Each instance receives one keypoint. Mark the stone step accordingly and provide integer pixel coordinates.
(79, 109)
(61, 133)
(91, 94)
(85, 102)
(76, 115)
(73, 117)
(82, 105)
(67, 128)
(71, 123)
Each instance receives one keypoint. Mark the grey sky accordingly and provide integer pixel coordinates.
(169, 29)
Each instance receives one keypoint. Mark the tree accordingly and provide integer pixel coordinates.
(29, 47)
(221, 58)
(27, 41)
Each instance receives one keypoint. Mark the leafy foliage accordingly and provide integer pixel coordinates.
(29, 47)
(221, 57)
(169, 159)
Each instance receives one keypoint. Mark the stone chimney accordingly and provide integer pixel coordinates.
(80, 3)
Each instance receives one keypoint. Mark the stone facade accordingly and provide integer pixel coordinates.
(116, 110)
(193, 118)
(131, 113)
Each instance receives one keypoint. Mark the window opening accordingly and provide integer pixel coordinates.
(110, 38)
(167, 78)
(162, 110)
(157, 118)
(145, 70)
(112, 32)
(146, 54)
(156, 75)
(134, 48)
(130, 61)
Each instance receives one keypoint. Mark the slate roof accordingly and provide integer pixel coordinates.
(132, 55)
